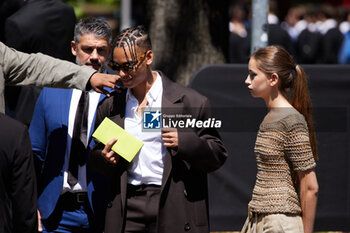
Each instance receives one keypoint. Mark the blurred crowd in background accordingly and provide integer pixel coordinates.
(313, 33)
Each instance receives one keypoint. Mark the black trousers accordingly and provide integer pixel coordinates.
(142, 208)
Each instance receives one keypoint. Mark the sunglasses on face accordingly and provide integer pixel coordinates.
(127, 66)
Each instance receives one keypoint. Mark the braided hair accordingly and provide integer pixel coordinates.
(131, 38)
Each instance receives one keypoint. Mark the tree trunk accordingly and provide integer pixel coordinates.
(187, 34)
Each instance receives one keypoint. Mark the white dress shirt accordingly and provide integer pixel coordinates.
(93, 102)
(147, 166)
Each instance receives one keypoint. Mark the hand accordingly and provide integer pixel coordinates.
(100, 80)
(109, 155)
(40, 228)
(170, 137)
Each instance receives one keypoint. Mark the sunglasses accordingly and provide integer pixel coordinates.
(127, 66)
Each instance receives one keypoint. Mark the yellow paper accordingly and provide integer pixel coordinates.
(127, 145)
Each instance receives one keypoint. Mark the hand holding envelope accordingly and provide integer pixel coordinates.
(109, 154)
(117, 140)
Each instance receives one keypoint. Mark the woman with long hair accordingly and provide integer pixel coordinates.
(285, 194)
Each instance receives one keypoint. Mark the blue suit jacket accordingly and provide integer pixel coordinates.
(48, 131)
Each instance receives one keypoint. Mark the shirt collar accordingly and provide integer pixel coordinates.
(327, 25)
(129, 95)
(153, 92)
(156, 88)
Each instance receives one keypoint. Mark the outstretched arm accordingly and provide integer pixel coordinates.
(42, 70)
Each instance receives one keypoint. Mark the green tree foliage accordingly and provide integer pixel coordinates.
(78, 5)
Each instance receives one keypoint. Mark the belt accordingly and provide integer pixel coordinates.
(77, 198)
(142, 188)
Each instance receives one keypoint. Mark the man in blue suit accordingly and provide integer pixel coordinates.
(71, 200)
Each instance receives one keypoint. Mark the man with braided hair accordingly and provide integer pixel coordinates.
(164, 188)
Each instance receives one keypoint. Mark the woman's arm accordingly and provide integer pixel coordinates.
(308, 198)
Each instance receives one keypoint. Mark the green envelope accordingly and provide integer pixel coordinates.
(127, 145)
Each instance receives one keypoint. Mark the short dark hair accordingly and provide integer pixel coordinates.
(91, 25)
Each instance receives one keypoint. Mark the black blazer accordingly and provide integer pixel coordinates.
(18, 197)
(331, 43)
(45, 26)
(309, 47)
(278, 36)
(184, 191)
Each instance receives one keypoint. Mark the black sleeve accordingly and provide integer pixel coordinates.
(23, 192)
(202, 147)
(106, 108)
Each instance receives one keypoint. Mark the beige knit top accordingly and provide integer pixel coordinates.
(281, 146)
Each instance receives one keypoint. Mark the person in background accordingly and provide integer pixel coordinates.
(75, 200)
(332, 38)
(309, 42)
(285, 146)
(7, 8)
(164, 189)
(344, 20)
(276, 34)
(344, 27)
(53, 31)
(239, 42)
(294, 22)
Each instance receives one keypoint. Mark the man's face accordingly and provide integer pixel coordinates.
(137, 75)
(91, 51)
